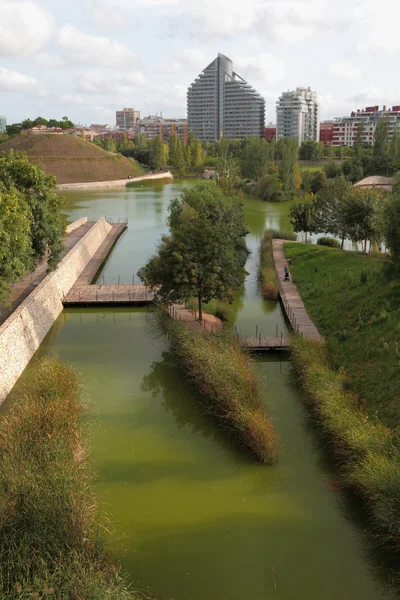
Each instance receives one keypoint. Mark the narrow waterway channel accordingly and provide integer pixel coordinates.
(197, 518)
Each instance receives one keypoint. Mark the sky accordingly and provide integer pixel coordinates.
(85, 59)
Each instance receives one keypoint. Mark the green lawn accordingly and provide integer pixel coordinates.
(357, 308)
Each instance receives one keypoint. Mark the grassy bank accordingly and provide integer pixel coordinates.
(368, 452)
(224, 377)
(52, 544)
(357, 308)
(267, 272)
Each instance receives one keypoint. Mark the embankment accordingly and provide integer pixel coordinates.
(113, 184)
(52, 543)
(22, 333)
(367, 452)
(224, 377)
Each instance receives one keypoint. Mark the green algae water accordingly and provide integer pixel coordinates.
(196, 518)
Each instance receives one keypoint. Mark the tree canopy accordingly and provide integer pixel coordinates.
(31, 226)
(202, 256)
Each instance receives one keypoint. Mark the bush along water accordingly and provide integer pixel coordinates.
(224, 377)
(267, 272)
(52, 544)
(368, 453)
(330, 242)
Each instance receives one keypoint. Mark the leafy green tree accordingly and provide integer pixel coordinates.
(333, 169)
(156, 154)
(198, 154)
(226, 168)
(330, 152)
(308, 150)
(394, 150)
(31, 226)
(27, 124)
(301, 215)
(392, 227)
(124, 144)
(141, 141)
(14, 129)
(353, 169)
(172, 150)
(381, 140)
(255, 158)
(188, 155)
(180, 163)
(363, 216)
(330, 207)
(199, 257)
(288, 168)
(39, 121)
(109, 144)
(269, 188)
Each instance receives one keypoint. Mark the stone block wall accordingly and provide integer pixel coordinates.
(22, 333)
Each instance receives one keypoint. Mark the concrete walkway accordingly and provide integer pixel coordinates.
(293, 304)
(22, 289)
(119, 183)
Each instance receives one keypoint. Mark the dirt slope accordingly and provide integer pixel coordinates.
(73, 160)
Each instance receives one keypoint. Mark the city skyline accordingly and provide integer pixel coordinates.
(88, 59)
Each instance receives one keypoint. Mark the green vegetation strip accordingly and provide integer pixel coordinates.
(267, 272)
(367, 451)
(355, 304)
(225, 379)
(52, 545)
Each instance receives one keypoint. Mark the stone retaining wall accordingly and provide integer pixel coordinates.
(75, 225)
(113, 184)
(22, 333)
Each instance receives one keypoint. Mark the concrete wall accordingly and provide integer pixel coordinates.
(75, 225)
(22, 333)
(113, 184)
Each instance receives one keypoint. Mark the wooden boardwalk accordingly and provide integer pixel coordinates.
(108, 295)
(293, 304)
(22, 289)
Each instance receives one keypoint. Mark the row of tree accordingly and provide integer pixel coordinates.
(31, 226)
(17, 128)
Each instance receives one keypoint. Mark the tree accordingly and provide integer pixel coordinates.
(255, 158)
(188, 155)
(199, 257)
(308, 150)
(156, 154)
(362, 215)
(301, 216)
(381, 138)
(226, 168)
(269, 188)
(330, 152)
(198, 154)
(27, 124)
(14, 129)
(31, 226)
(109, 144)
(124, 144)
(392, 228)
(180, 163)
(40, 121)
(394, 150)
(289, 167)
(330, 207)
(172, 150)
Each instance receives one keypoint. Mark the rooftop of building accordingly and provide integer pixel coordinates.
(375, 181)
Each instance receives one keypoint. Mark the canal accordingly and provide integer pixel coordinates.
(195, 517)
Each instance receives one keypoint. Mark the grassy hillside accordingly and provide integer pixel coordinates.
(357, 308)
(73, 160)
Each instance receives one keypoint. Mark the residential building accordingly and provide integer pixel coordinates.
(345, 128)
(220, 103)
(3, 124)
(297, 115)
(127, 118)
(270, 132)
(162, 127)
(326, 132)
(98, 127)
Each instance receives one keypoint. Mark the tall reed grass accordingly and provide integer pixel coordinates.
(52, 545)
(368, 453)
(267, 272)
(224, 377)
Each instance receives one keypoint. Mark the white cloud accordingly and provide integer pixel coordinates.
(12, 81)
(380, 27)
(24, 28)
(72, 99)
(47, 60)
(115, 83)
(263, 68)
(344, 69)
(80, 47)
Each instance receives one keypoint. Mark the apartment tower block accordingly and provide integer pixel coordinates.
(220, 103)
(297, 115)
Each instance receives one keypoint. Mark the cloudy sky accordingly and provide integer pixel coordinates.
(87, 58)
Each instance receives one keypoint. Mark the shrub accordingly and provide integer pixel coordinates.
(366, 450)
(224, 377)
(328, 241)
(52, 545)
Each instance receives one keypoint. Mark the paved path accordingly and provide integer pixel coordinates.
(22, 289)
(293, 304)
(89, 185)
